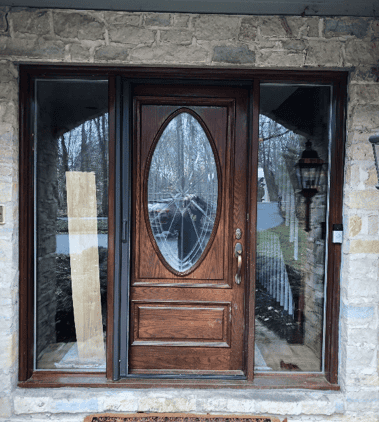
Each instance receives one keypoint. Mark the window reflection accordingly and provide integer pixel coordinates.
(182, 192)
(290, 259)
(71, 224)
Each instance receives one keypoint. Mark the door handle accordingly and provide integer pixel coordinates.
(238, 254)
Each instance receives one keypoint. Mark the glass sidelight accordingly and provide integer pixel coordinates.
(291, 226)
(71, 219)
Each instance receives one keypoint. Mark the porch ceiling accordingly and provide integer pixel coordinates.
(368, 8)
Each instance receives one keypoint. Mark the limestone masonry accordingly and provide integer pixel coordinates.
(266, 42)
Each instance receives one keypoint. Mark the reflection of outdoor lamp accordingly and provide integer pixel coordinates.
(308, 170)
(375, 144)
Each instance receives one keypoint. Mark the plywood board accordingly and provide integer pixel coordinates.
(84, 259)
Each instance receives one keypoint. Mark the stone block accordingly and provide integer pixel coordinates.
(8, 351)
(48, 49)
(361, 151)
(212, 27)
(8, 72)
(233, 55)
(364, 117)
(16, 47)
(166, 404)
(77, 25)
(364, 94)
(273, 27)
(180, 20)
(279, 58)
(8, 114)
(157, 19)
(166, 54)
(346, 26)
(34, 48)
(375, 29)
(122, 19)
(359, 315)
(358, 379)
(358, 53)
(111, 52)
(5, 196)
(324, 53)
(363, 400)
(294, 45)
(373, 224)
(363, 274)
(6, 381)
(70, 402)
(31, 22)
(303, 26)
(355, 225)
(176, 36)
(8, 91)
(357, 175)
(125, 401)
(131, 35)
(364, 246)
(80, 53)
(363, 73)
(248, 29)
(372, 179)
(4, 27)
(357, 336)
(5, 407)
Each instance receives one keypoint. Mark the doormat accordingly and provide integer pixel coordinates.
(167, 417)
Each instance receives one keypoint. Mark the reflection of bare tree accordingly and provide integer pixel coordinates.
(85, 148)
(279, 150)
(102, 136)
(182, 191)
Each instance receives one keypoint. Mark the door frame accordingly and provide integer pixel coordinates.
(28, 376)
(123, 238)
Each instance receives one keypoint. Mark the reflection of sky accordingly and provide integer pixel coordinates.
(80, 242)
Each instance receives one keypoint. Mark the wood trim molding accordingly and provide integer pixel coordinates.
(26, 230)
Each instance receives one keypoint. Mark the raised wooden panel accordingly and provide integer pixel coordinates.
(148, 359)
(182, 325)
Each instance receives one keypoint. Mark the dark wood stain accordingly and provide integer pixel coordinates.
(220, 112)
(53, 379)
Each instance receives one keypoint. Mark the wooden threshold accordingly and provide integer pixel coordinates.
(41, 379)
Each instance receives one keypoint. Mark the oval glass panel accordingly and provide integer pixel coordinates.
(182, 192)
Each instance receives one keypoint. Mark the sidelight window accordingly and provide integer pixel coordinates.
(292, 226)
(71, 224)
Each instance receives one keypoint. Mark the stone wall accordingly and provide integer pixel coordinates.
(68, 36)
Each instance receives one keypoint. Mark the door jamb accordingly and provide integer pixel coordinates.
(123, 189)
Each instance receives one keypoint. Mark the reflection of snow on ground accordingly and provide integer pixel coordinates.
(63, 243)
(170, 251)
(71, 360)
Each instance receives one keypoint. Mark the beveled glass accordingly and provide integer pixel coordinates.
(182, 192)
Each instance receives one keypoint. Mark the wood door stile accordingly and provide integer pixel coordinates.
(190, 321)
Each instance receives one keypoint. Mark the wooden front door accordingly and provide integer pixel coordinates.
(189, 199)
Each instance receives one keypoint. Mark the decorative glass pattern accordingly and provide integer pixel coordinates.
(182, 192)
